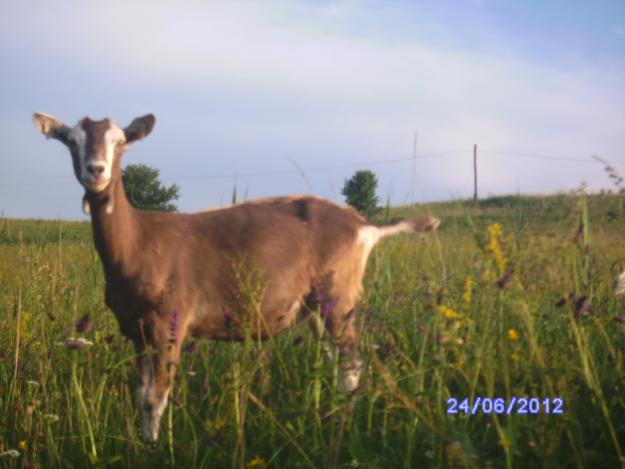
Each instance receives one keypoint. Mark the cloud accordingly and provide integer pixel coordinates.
(327, 82)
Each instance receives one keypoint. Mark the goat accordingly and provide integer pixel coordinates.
(174, 275)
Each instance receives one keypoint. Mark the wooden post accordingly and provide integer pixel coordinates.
(475, 172)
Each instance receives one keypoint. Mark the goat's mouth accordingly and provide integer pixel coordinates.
(95, 185)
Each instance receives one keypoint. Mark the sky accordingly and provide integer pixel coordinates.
(284, 97)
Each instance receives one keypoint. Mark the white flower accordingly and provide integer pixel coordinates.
(620, 284)
(12, 453)
(75, 343)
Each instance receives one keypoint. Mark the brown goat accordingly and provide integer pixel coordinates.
(171, 275)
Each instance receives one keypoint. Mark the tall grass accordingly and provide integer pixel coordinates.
(513, 297)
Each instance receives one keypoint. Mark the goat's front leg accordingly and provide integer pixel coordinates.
(156, 365)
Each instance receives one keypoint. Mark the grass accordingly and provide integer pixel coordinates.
(468, 312)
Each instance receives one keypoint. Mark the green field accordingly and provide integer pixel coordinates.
(514, 297)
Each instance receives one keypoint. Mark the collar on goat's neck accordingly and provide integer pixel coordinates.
(113, 220)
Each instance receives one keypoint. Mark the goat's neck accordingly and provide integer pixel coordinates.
(114, 223)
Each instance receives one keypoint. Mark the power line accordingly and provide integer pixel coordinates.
(442, 154)
(544, 157)
(265, 173)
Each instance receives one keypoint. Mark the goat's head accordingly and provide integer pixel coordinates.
(96, 146)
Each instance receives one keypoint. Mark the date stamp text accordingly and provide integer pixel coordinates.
(502, 406)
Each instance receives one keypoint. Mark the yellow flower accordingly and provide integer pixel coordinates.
(514, 357)
(449, 313)
(468, 290)
(494, 246)
(256, 462)
(512, 334)
(22, 444)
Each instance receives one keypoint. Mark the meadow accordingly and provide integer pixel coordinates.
(511, 298)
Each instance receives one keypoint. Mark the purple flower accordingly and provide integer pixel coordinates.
(84, 324)
(582, 306)
(504, 280)
(173, 326)
(228, 318)
(327, 307)
(316, 294)
(439, 296)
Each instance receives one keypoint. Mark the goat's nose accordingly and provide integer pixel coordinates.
(95, 168)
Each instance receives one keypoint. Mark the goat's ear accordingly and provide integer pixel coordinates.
(51, 127)
(140, 128)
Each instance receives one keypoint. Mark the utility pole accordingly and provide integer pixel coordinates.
(475, 172)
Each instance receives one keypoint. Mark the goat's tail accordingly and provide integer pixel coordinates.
(421, 226)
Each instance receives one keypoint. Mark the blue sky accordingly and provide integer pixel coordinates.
(240, 88)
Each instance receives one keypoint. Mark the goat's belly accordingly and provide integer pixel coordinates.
(223, 323)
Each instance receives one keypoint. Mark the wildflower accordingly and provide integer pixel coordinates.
(455, 453)
(619, 319)
(620, 284)
(579, 235)
(50, 418)
(494, 235)
(327, 306)
(22, 444)
(582, 305)
(84, 324)
(219, 423)
(468, 290)
(256, 462)
(514, 357)
(505, 442)
(316, 295)
(369, 319)
(513, 335)
(75, 343)
(228, 318)
(439, 296)
(449, 313)
(12, 453)
(173, 326)
(504, 280)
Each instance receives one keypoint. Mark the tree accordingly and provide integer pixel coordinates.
(145, 191)
(360, 192)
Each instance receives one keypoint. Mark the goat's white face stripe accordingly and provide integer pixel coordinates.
(104, 154)
(112, 137)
